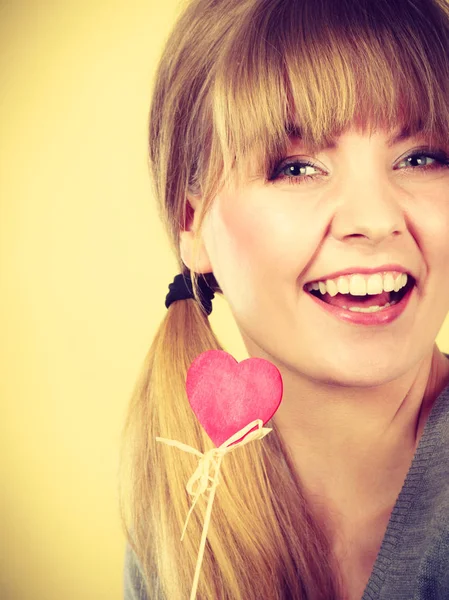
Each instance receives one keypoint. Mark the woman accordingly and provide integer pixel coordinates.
(300, 154)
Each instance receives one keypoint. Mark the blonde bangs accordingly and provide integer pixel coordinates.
(311, 69)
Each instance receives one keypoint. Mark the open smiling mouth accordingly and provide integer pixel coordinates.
(365, 303)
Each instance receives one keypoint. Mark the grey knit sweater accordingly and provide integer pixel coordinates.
(413, 561)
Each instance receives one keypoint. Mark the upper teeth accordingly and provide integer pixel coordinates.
(360, 285)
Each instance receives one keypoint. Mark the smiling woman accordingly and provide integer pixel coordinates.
(253, 99)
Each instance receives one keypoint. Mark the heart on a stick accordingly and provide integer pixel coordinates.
(226, 395)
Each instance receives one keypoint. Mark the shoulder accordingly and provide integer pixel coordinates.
(134, 582)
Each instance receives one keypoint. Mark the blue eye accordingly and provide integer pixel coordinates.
(439, 156)
(295, 171)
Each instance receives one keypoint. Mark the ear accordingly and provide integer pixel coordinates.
(186, 241)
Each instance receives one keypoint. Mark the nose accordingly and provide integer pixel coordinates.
(368, 209)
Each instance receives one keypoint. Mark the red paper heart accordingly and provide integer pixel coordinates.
(226, 395)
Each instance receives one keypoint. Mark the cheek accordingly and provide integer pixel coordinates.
(431, 222)
(276, 230)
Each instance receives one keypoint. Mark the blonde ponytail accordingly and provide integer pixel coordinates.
(262, 543)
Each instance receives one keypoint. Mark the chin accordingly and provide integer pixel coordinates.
(357, 369)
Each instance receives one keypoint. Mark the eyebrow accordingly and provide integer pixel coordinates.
(295, 133)
(404, 134)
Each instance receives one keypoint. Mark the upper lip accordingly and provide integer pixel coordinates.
(364, 270)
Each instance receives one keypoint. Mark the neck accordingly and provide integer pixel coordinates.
(352, 447)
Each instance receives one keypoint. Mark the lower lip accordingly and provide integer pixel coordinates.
(382, 317)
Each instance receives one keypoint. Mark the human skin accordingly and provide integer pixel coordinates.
(355, 397)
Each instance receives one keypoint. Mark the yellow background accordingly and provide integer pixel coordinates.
(85, 267)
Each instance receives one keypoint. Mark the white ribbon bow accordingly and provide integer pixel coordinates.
(198, 483)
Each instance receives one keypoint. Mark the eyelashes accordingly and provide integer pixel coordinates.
(297, 175)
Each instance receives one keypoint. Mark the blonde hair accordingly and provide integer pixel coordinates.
(236, 79)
